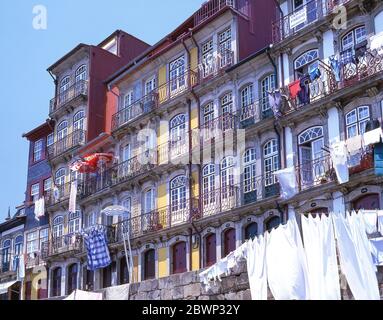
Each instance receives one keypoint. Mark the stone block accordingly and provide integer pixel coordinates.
(192, 290)
(187, 278)
(177, 293)
(154, 295)
(166, 294)
(228, 284)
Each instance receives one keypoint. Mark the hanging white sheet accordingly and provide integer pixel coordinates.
(339, 158)
(84, 295)
(380, 221)
(72, 197)
(370, 218)
(355, 260)
(256, 268)
(372, 137)
(377, 251)
(319, 244)
(286, 263)
(287, 182)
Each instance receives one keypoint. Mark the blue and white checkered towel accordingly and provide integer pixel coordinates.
(97, 248)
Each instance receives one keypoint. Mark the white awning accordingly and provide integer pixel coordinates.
(84, 295)
(4, 286)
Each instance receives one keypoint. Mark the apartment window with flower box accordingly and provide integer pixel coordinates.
(35, 192)
(38, 150)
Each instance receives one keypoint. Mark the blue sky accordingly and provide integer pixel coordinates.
(26, 53)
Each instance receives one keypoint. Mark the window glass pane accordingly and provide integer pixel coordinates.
(50, 139)
(351, 117)
(352, 131)
(363, 113)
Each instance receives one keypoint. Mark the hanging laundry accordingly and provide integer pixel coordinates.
(370, 220)
(294, 89)
(287, 181)
(360, 50)
(347, 56)
(97, 248)
(73, 196)
(372, 137)
(377, 251)
(39, 208)
(56, 193)
(21, 268)
(376, 43)
(256, 268)
(275, 102)
(319, 246)
(339, 159)
(360, 275)
(354, 148)
(378, 159)
(304, 93)
(380, 221)
(286, 263)
(335, 66)
(315, 74)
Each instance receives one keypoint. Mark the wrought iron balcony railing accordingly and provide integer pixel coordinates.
(212, 66)
(215, 127)
(62, 244)
(72, 140)
(79, 89)
(62, 193)
(210, 8)
(140, 107)
(33, 260)
(9, 262)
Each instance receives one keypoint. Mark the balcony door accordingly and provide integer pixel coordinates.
(178, 205)
(209, 192)
(178, 142)
(311, 155)
(126, 161)
(227, 184)
(229, 241)
(149, 219)
(177, 76)
(179, 257)
(58, 231)
(210, 249)
(224, 48)
(6, 256)
(149, 264)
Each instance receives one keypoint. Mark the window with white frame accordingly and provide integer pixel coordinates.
(247, 96)
(78, 121)
(249, 171)
(356, 121)
(271, 161)
(74, 222)
(64, 85)
(60, 177)
(62, 130)
(32, 242)
(47, 185)
(35, 192)
(6, 255)
(126, 153)
(227, 177)
(178, 131)
(208, 114)
(178, 193)
(207, 58)
(18, 250)
(43, 237)
(208, 184)
(177, 74)
(150, 85)
(58, 227)
(81, 73)
(149, 201)
(50, 139)
(128, 99)
(267, 85)
(127, 204)
(38, 150)
(354, 37)
(224, 47)
(306, 63)
(227, 103)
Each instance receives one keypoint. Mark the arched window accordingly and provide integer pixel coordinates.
(58, 226)
(60, 177)
(124, 272)
(228, 241)
(72, 278)
(6, 255)
(249, 171)
(352, 38)
(78, 121)
(62, 130)
(306, 62)
(208, 184)
(176, 74)
(64, 85)
(74, 222)
(271, 161)
(178, 193)
(356, 121)
(251, 231)
(311, 154)
(81, 73)
(227, 177)
(247, 96)
(272, 223)
(267, 84)
(149, 264)
(56, 282)
(367, 202)
(19, 245)
(179, 258)
(178, 134)
(210, 250)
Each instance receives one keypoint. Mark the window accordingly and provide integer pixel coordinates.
(64, 86)
(92, 219)
(74, 222)
(128, 99)
(178, 193)
(81, 73)
(62, 130)
(207, 58)
(224, 47)
(126, 203)
(208, 114)
(176, 76)
(47, 185)
(356, 121)
(6, 255)
(271, 161)
(311, 153)
(272, 223)
(32, 242)
(353, 38)
(227, 111)
(247, 96)
(251, 231)
(43, 237)
(179, 258)
(111, 46)
(72, 278)
(35, 192)
(149, 201)
(19, 245)
(150, 85)
(58, 227)
(126, 153)
(208, 184)
(60, 177)
(267, 84)
(249, 171)
(149, 264)
(305, 63)
(78, 121)
(50, 139)
(178, 134)
(38, 150)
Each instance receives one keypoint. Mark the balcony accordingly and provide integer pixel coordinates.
(33, 260)
(216, 128)
(212, 7)
(77, 91)
(61, 194)
(214, 66)
(66, 144)
(140, 107)
(8, 263)
(60, 245)
(159, 219)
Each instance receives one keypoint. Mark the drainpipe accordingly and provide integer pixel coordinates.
(274, 65)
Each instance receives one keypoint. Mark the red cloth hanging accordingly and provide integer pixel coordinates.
(294, 88)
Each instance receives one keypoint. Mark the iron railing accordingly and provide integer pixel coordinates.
(62, 244)
(80, 88)
(72, 140)
(9, 262)
(62, 193)
(140, 107)
(33, 260)
(214, 128)
(213, 65)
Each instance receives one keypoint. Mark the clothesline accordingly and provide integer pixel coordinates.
(310, 271)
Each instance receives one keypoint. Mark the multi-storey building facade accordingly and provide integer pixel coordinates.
(196, 140)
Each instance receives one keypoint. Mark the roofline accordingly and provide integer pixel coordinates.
(48, 123)
(118, 32)
(12, 223)
(66, 56)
